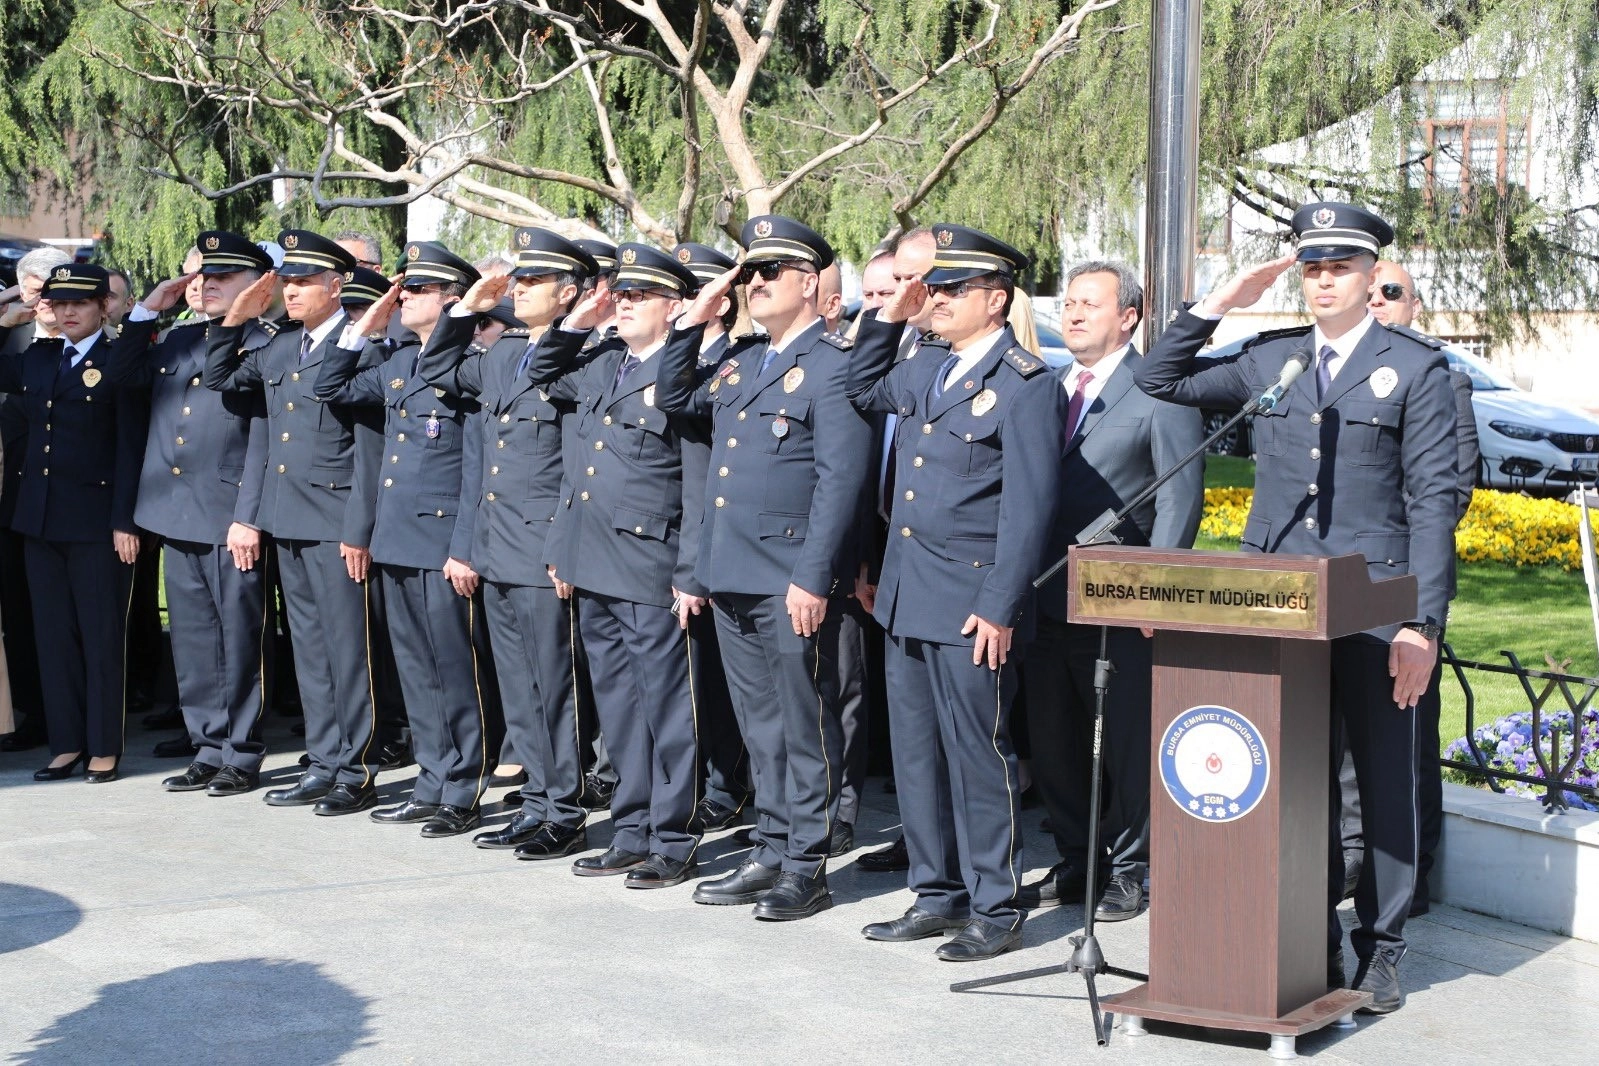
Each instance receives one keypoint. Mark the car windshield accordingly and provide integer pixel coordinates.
(1048, 336)
(1484, 378)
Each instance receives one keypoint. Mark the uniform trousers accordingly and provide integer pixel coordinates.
(217, 620)
(386, 694)
(1382, 741)
(727, 761)
(441, 648)
(1059, 702)
(785, 694)
(853, 708)
(640, 661)
(532, 632)
(328, 616)
(955, 769)
(81, 593)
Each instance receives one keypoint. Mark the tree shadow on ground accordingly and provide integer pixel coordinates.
(234, 1011)
(30, 916)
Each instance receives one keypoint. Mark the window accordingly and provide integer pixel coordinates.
(1475, 345)
(1468, 139)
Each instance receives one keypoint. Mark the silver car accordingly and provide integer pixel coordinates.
(1527, 443)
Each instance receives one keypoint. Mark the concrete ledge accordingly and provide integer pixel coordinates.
(1507, 857)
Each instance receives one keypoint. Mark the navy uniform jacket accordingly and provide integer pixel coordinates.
(789, 464)
(310, 463)
(13, 429)
(623, 528)
(1369, 468)
(519, 436)
(428, 470)
(976, 478)
(80, 463)
(1126, 440)
(205, 457)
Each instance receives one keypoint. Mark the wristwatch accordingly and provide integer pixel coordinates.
(1426, 629)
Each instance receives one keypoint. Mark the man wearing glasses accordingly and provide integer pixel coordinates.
(779, 549)
(977, 457)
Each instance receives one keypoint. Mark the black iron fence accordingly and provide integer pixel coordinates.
(1552, 731)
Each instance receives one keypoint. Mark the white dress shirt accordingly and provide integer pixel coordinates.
(1342, 347)
(1102, 371)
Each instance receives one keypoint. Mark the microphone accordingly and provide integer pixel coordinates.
(1297, 364)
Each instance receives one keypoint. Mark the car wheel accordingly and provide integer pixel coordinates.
(1236, 441)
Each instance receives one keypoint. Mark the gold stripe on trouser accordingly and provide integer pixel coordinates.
(477, 688)
(577, 703)
(827, 764)
(1010, 806)
(122, 670)
(261, 647)
(694, 716)
(371, 690)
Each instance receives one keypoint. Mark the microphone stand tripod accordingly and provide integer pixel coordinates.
(1087, 957)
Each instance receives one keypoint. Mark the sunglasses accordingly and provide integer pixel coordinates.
(627, 296)
(1391, 290)
(767, 271)
(956, 289)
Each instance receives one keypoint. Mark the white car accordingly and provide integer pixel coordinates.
(1527, 443)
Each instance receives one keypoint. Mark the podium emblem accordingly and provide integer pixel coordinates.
(1214, 764)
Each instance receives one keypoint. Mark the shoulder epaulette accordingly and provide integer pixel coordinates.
(839, 341)
(477, 349)
(520, 331)
(748, 340)
(1271, 334)
(270, 328)
(1024, 361)
(1420, 338)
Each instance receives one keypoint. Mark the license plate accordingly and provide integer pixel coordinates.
(1586, 465)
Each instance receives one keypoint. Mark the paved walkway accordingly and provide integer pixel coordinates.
(142, 927)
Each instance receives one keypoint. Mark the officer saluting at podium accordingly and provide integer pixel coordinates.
(1357, 457)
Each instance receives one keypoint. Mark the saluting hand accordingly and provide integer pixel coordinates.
(16, 314)
(706, 306)
(487, 291)
(376, 317)
(590, 309)
(166, 295)
(1243, 290)
(992, 643)
(906, 303)
(253, 301)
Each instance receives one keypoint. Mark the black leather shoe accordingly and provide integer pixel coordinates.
(452, 821)
(795, 896)
(1379, 976)
(515, 780)
(104, 777)
(914, 924)
(519, 830)
(712, 817)
(25, 738)
(60, 773)
(1335, 969)
(1121, 900)
(893, 858)
(171, 718)
(1063, 884)
(614, 861)
(346, 799)
(979, 940)
(232, 781)
(747, 884)
(658, 871)
(302, 793)
(195, 778)
(842, 841)
(405, 813)
(305, 762)
(553, 842)
(596, 793)
(176, 748)
(395, 755)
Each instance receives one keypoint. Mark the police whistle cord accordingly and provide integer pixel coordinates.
(1087, 957)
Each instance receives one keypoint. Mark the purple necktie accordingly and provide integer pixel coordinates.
(1074, 409)
(1324, 371)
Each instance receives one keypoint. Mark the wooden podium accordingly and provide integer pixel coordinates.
(1239, 774)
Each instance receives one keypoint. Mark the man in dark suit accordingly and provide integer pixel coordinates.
(1118, 441)
(1358, 456)
(779, 550)
(314, 520)
(531, 628)
(200, 490)
(977, 457)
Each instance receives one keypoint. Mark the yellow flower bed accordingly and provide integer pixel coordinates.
(1501, 527)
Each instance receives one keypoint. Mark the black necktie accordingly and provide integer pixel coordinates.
(305, 346)
(943, 373)
(628, 363)
(1324, 371)
(68, 354)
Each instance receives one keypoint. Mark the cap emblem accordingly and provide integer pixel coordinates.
(212, 244)
(1324, 218)
(291, 241)
(413, 252)
(763, 229)
(684, 255)
(349, 276)
(63, 274)
(523, 239)
(945, 238)
(629, 256)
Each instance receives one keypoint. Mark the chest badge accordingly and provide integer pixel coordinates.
(649, 396)
(397, 383)
(91, 377)
(779, 427)
(793, 379)
(1384, 381)
(439, 393)
(434, 427)
(984, 402)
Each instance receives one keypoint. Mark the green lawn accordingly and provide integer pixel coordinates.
(1533, 611)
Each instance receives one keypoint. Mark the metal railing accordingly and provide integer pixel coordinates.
(1556, 767)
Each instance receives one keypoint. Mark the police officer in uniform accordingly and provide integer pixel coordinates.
(200, 491)
(533, 631)
(629, 548)
(726, 761)
(308, 508)
(422, 544)
(779, 550)
(89, 429)
(979, 432)
(1358, 456)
